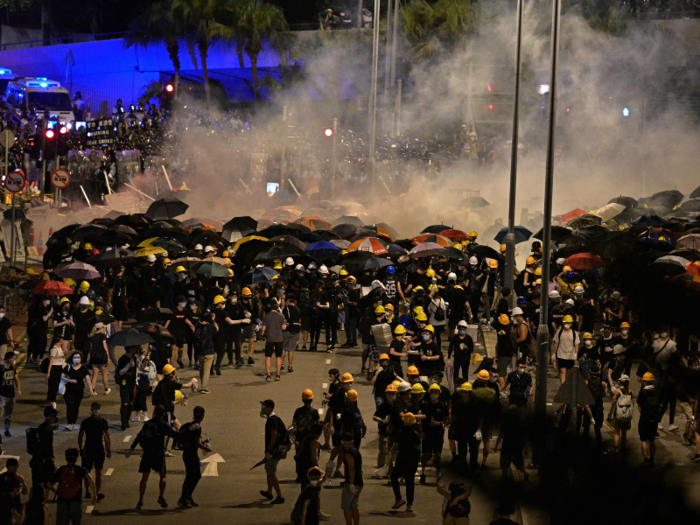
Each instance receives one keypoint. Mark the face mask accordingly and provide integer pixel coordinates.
(567, 326)
(521, 370)
(434, 397)
(262, 413)
(663, 335)
(588, 343)
(514, 320)
(625, 332)
(234, 300)
(46, 303)
(76, 360)
(391, 397)
(331, 379)
(351, 286)
(182, 305)
(426, 337)
(192, 307)
(655, 337)
(314, 482)
(2, 315)
(347, 386)
(493, 379)
(96, 412)
(462, 332)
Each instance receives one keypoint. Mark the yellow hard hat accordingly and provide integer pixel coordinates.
(530, 261)
(230, 272)
(538, 271)
(458, 246)
(421, 316)
(430, 273)
(538, 281)
(226, 254)
(473, 234)
(178, 396)
(168, 369)
(84, 286)
(346, 378)
(389, 307)
(412, 371)
(429, 328)
(30, 271)
(503, 319)
(277, 266)
(246, 291)
(566, 269)
(400, 330)
(493, 263)
(434, 387)
(567, 319)
(219, 299)
(418, 310)
(64, 300)
(69, 282)
(343, 272)
(466, 387)
(384, 357)
(648, 377)
(588, 335)
(87, 246)
(351, 395)
(352, 278)
(483, 375)
(396, 383)
(391, 388)
(180, 269)
(307, 394)
(625, 325)
(167, 261)
(418, 289)
(409, 419)
(379, 310)
(417, 389)
(433, 288)
(503, 247)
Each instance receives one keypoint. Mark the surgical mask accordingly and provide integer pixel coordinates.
(347, 386)
(182, 305)
(46, 303)
(66, 307)
(76, 360)
(434, 397)
(331, 379)
(462, 332)
(426, 337)
(567, 326)
(351, 286)
(96, 411)
(663, 335)
(521, 370)
(588, 343)
(655, 337)
(192, 307)
(314, 482)
(493, 379)
(514, 320)
(625, 332)
(234, 300)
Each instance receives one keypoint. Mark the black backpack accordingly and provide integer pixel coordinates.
(652, 409)
(200, 338)
(303, 425)
(148, 435)
(33, 442)
(186, 439)
(439, 314)
(595, 385)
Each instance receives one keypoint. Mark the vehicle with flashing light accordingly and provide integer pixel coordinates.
(6, 75)
(25, 95)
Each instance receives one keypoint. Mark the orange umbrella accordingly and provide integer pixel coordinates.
(379, 232)
(313, 222)
(431, 237)
(572, 215)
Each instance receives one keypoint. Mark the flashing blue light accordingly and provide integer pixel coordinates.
(41, 78)
(44, 84)
(21, 95)
(625, 112)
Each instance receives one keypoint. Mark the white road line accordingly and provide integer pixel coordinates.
(549, 404)
(328, 361)
(109, 472)
(127, 438)
(324, 385)
(89, 509)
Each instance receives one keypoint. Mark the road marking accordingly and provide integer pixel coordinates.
(328, 361)
(324, 385)
(109, 472)
(212, 462)
(89, 509)
(127, 438)
(549, 404)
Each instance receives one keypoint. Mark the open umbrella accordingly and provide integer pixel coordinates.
(610, 211)
(64, 233)
(179, 234)
(375, 263)
(55, 288)
(326, 235)
(137, 221)
(391, 231)
(289, 241)
(356, 222)
(123, 228)
(572, 215)
(259, 275)
(205, 237)
(695, 194)
(150, 250)
(455, 235)
(309, 237)
(474, 202)
(395, 249)
(627, 202)
(314, 222)
(558, 233)
(454, 253)
(88, 232)
(130, 337)
(671, 264)
(668, 199)
(172, 246)
(344, 229)
(341, 243)
(322, 250)
(239, 227)
(522, 234)
(79, 271)
(274, 252)
(690, 206)
(111, 238)
(211, 269)
(584, 221)
(484, 252)
(434, 238)
(426, 249)
(436, 228)
(648, 221)
(378, 231)
(369, 244)
(166, 208)
(585, 261)
(689, 241)
(112, 257)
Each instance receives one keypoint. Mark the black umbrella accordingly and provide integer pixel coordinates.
(558, 233)
(166, 208)
(277, 230)
(179, 234)
(668, 199)
(484, 252)
(64, 233)
(239, 227)
(288, 240)
(111, 238)
(113, 257)
(454, 253)
(436, 228)
(695, 193)
(649, 221)
(373, 264)
(123, 228)
(327, 235)
(211, 269)
(395, 249)
(309, 237)
(348, 219)
(275, 252)
(130, 337)
(406, 244)
(155, 330)
(204, 237)
(248, 250)
(691, 205)
(625, 201)
(88, 232)
(475, 202)
(155, 315)
(259, 275)
(352, 260)
(611, 245)
(172, 246)
(344, 229)
(137, 221)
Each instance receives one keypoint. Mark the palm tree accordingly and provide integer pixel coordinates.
(252, 21)
(159, 24)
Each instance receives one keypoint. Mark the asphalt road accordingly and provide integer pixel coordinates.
(230, 490)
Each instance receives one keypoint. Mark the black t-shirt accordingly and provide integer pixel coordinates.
(395, 420)
(463, 347)
(429, 349)
(178, 326)
(190, 437)
(79, 471)
(408, 440)
(84, 321)
(434, 412)
(65, 331)
(6, 507)
(164, 394)
(355, 454)
(45, 433)
(7, 381)
(98, 354)
(588, 312)
(94, 429)
(397, 345)
(5, 325)
(78, 374)
(235, 312)
(274, 422)
(383, 411)
(128, 378)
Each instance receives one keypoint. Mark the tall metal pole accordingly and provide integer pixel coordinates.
(398, 108)
(543, 330)
(373, 94)
(12, 231)
(510, 237)
(359, 14)
(387, 52)
(334, 165)
(394, 42)
(284, 146)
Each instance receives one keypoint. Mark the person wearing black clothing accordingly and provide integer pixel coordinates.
(181, 327)
(334, 299)
(518, 384)
(125, 376)
(119, 297)
(290, 336)
(351, 419)
(306, 510)
(436, 417)
(42, 463)
(232, 331)
(308, 453)
(336, 404)
(381, 416)
(304, 417)
(383, 377)
(649, 402)
(164, 392)
(397, 349)
(275, 449)
(352, 312)
(597, 388)
(505, 344)
(191, 442)
(503, 306)
(63, 325)
(73, 376)
(8, 509)
(12, 465)
(152, 438)
(99, 356)
(431, 359)
(219, 317)
(407, 451)
(94, 434)
(9, 388)
(586, 314)
(462, 345)
(37, 328)
(84, 320)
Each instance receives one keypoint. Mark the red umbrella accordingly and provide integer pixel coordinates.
(432, 238)
(585, 261)
(370, 244)
(455, 235)
(572, 215)
(693, 268)
(57, 288)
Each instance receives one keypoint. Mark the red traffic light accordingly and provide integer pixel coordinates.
(50, 134)
(490, 106)
(328, 132)
(169, 88)
(63, 130)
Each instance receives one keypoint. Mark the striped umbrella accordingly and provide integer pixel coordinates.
(692, 240)
(369, 244)
(434, 238)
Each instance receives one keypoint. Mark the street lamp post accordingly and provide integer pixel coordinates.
(373, 94)
(543, 329)
(510, 237)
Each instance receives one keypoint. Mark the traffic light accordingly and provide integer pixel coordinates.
(169, 88)
(50, 134)
(63, 130)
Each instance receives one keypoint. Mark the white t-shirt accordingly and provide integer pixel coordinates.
(663, 351)
(567, 344)
(58, 356)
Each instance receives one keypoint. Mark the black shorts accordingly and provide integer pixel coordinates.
(568, 364)
(515, 458)
(306, 323)
(180, 340)
(452, 433)
(275, 348)
(42, 470)
(647, 430)
(433, 442)
(152, 462)
(93, 459)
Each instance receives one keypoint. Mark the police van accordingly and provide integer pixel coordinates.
(40, 94)
(5, 76)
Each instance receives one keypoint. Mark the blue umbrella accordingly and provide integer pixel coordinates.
(395, 248)
(260, 274)
(322, 250)
(522, 234)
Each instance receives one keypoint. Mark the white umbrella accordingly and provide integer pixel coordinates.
(610, 211)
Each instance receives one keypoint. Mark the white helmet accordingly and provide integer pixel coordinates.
(462, 324)
(289, 262)
(299, 268)
(404, 386)
(517, 311)
(208, 249)
(312, 266)
(451, 276)
(198, 247)
(570, 302)
(151, 258)
(164, 255)
(554, 294)
(84, 300)
(323, 270)
(578, 290)
(473, 261)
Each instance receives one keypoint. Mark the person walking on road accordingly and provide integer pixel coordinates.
(274, 325)
(191, 442)
(74, 378)
(292, 316)
(94, 434)
(350, 497)
(649, 404)
(461, 347)
(125, 377)
(9, 388)
(276, 447)
(68, 481)
(204, 347)
(407, 451)
(304, 417)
